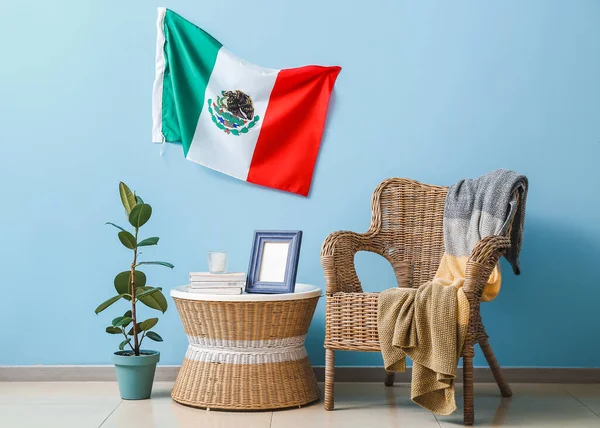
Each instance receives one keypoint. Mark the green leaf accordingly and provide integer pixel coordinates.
(107, 304)
(126, 197)
(128, 313)
(124, 322)
(139, 330)
(123, 284)
(140, 214)
(118, 227)
(149, 241)
(148, 324)
(154, 336)
(149, 290)
(169, 265)
(139, 200)
(124, 343)
(113, 330)
(116, 320)
(127, 239)
(154, 300)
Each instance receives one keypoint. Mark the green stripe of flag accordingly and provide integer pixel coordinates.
(190, 56)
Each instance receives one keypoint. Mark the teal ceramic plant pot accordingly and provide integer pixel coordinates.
(135, 374)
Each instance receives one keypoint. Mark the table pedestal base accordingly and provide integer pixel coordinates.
(245, 386)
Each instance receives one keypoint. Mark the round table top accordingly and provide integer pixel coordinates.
(302, 291)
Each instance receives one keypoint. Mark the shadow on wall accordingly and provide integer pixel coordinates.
(331, 109)
(530, 323)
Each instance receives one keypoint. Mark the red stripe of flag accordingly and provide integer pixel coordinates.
(287, 147)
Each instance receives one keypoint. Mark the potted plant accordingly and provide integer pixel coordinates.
(135, 366)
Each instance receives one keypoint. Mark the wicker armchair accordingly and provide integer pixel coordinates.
(407, 229)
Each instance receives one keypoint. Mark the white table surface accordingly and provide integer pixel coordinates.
(302, 291)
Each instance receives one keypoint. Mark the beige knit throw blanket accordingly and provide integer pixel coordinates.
(429, 325)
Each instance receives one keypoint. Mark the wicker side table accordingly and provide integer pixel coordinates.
(246, 352)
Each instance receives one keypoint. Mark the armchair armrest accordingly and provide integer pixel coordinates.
(482, 262)
(480, 265)
(337, 259)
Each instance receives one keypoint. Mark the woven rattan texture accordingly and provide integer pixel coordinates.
(246, 320)
(245, 386)
(407, 229)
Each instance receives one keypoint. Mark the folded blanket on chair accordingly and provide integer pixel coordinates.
(482, 207)
(429, 323)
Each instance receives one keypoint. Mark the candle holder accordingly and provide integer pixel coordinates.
(217, 261)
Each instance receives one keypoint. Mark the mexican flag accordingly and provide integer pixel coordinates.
(256, 124)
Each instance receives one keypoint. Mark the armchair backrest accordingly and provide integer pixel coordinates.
(408, 219)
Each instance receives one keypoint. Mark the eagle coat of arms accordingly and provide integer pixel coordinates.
(233, 112)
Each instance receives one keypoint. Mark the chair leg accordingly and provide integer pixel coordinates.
(498, 375)
(469, 410)
(329, 378)
(389, 378)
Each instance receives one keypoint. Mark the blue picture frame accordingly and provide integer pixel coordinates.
(294, 238)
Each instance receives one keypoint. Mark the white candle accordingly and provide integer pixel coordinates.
(217, 262)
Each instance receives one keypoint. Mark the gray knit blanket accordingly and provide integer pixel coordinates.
(486, 206)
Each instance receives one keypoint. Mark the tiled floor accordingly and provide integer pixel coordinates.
(95, 404)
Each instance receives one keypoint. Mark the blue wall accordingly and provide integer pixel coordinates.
(462, 87)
